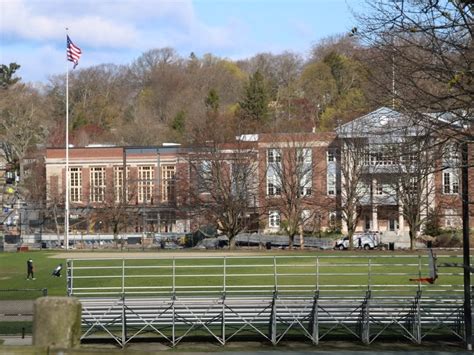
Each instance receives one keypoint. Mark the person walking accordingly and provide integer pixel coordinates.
(30, 269)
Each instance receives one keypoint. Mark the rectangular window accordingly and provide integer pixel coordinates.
(273, 186)
(451, 155)
(331, 155)
(75, 184)
(118, 183)
(204, 176)
(168, 183)
(450, 182)
(331, 184)
(274, 156)
(304, 155)
(97, 183)
(274, 219)
(145, 183)
(379, 189)
(304, 170)
(392, 224)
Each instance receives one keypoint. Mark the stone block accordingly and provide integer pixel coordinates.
(57, 322)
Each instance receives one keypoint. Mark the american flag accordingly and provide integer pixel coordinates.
(73, 52)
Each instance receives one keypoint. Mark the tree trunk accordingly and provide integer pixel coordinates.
(291, 239)
(350, 234)
(232, 242)
(301, 238)
(412, 239)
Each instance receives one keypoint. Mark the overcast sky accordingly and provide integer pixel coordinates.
(32, 32)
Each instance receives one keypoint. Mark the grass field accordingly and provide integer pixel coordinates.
(196, 271)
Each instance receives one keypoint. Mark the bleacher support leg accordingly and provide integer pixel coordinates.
(273, 323)
(314, 320)
(124, 322)
(223, 319)
(365, 321)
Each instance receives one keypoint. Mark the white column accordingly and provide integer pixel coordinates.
(375, 218)
(375, 221)
(401, 220)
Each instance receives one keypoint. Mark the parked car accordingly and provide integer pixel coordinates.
(366, 241)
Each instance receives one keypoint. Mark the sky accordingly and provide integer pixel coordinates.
(33, 32)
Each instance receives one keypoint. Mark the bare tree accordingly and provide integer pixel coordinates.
(115, 209)
(425, 49)
(289, 178)
(354, 182)
(223, 186)
(414, 158)
(22, 123)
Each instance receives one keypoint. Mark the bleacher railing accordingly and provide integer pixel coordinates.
(253, 275)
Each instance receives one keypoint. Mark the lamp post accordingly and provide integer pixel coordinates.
(465, 237)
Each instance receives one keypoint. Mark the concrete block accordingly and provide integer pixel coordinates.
(57, 322)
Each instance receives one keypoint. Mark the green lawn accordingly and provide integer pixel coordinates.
(338, 270)
(13, 275)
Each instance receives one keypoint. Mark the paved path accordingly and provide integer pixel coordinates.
(16, 310)
(152, 255)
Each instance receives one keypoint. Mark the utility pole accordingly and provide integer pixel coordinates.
(465, 239)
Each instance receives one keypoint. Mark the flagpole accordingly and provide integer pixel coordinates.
(66, 210)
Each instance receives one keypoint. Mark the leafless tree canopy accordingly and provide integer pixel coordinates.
(424, 51)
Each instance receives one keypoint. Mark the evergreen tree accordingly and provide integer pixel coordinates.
(254, 104)
(6, 75)
(212, 101)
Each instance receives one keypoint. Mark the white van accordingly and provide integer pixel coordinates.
(366, 241)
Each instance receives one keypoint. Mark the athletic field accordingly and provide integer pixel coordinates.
(209, 270)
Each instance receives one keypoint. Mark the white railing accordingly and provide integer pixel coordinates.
(253, 275)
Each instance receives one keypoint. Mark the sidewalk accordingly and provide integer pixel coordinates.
(16, 340)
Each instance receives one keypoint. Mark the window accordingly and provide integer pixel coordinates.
(379, 189)
(118, 182)
(306, 216)
(97, 183)
(368, 223)
(274, 156)
(305, 191)
(145, 183)
(304, 170)
(331, 156)
(377, 158)
(414, 186)
(451, 218)
(332, 218)
(204, 176)
(304, 155)
(274, 219)
(75, 184)
(392, 224)
(167, 182)
(331, 184)
(450, 182)
(451, 155)
(273, 186)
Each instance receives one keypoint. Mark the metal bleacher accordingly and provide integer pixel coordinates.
(269, 297)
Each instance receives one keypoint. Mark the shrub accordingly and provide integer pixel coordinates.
(448, 239)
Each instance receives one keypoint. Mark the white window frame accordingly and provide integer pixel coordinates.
(168, 173)
(331, 184)
(273, 155)
(450, 182)
(273, 186)
(118, 183)
(274, 219)
(145, 183)
(75, 184)
(97, 184)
